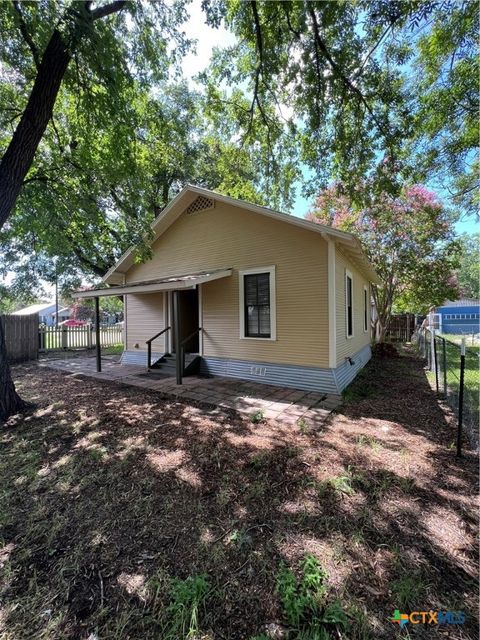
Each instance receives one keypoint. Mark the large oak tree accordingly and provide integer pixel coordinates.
(108, 51)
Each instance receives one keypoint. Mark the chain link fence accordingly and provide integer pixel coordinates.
(457, 378)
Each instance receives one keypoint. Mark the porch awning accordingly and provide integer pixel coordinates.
(187, 281)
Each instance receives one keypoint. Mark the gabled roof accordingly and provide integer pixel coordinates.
(349, 243)
(34, 308)
(463, 302)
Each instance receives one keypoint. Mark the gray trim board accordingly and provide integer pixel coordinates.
(138, 357)
(307, 378)
(345, 373)
(325, 380)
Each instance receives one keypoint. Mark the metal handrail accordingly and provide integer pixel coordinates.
(181, 355)
(157, 335)
(185, 340)
(149, 345)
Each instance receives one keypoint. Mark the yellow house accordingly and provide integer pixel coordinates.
(246, 292)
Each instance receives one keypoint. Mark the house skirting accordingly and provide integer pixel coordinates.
(138, 357)
(346, 372)
(325, 380)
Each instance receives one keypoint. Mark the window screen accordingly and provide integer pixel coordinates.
(365, 310)
(349, 306)
(257, 305)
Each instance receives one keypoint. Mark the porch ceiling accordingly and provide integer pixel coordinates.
(169, 283)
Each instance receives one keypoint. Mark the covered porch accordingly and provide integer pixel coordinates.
(181, 329)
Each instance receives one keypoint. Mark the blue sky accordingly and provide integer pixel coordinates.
(467, 224)
(207, 39)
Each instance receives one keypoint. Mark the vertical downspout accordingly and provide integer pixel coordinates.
(332, 309)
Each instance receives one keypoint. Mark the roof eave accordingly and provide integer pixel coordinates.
(341, 236)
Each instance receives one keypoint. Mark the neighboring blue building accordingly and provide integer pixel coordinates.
(461, 316)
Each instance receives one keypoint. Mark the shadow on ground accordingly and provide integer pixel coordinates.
(108, 492)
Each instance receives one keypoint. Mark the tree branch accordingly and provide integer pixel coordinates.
(375, 47)
(108, 9)
(287, 15)
(35, 178)
(25, 33)
(258, 69)
(98, 270)
(339, 73)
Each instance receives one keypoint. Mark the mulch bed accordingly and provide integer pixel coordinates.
(108, 492)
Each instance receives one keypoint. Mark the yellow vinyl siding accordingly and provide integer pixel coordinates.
(229, 236)
(144, 318)
(346, 347)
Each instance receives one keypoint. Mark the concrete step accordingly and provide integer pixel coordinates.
(167, 364)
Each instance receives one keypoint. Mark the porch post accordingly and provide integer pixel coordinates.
(97, 334)
(176, 324)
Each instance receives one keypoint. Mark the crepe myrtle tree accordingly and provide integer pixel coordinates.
(38, 43)
(408, 239)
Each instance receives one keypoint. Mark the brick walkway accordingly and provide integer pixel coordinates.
(247, 398)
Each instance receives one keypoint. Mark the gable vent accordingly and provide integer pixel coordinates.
(201, 204)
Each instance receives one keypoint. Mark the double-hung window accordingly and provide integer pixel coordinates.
(257, 303)
(365, 308)
(349, 304)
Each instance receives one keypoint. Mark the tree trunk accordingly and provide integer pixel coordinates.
(14, 167)
(19, 155)
(382, 297)
(381, 331)
(10, 401)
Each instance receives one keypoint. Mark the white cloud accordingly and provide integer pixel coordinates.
(207, 39)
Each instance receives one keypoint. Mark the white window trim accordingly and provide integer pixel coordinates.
(348, 274)
(273, 301)
(366, 303)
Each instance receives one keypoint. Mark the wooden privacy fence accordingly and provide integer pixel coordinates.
(54, 338)
(21, 337)
(401, 327)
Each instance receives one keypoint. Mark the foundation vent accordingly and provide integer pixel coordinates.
(201, 204)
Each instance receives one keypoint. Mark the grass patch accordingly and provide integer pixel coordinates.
(408, 591)
(338, 485)
(305, 603)
(369, 441)
(471, 375)
(187, 607)
(362, 387)
(304, 426)
(259, 460)
(114, 350)
(257, 417)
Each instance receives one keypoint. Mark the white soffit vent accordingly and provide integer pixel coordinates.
(201, 204)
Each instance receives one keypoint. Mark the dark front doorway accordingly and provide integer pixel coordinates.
(187, 318)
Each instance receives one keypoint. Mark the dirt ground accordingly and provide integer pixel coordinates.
(110, 495)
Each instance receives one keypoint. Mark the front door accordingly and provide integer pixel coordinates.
(187, 317)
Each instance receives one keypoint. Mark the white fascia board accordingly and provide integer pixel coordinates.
(151, 288)
(346, 238)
